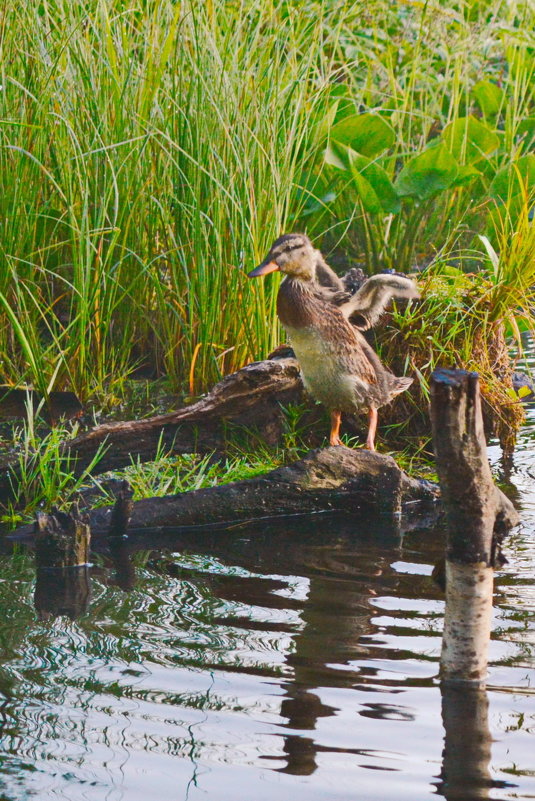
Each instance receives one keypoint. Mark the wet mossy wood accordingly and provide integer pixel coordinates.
(252, 399)
(62, 540)
(369, 486)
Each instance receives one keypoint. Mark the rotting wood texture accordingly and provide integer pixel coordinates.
(477, 516)
(62, 539)
(252, 399)
(368, 486)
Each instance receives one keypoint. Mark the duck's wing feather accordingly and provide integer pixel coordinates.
(367, 305)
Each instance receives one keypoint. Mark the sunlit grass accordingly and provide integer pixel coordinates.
(150, 152)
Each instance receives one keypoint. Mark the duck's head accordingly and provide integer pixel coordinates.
(293, 255)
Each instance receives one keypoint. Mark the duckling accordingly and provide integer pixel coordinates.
(339, 368)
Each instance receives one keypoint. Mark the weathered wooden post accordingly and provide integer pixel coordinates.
(62, 539)
(122, 511)
(61, 555)
(477, 515)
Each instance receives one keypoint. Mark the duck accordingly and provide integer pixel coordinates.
(324, 324)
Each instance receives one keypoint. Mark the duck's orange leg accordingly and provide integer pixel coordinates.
(372, 428)
(336, 419)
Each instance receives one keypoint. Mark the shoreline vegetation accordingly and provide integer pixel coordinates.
(150, 152)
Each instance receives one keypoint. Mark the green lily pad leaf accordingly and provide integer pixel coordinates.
(490, 99)
(428, 174)
(368, 134)
(374, 187)
(513, 179)
(470, 140)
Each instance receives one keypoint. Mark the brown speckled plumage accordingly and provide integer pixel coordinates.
(309, 318)
(338, 366)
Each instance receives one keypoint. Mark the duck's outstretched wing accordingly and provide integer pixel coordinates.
(366, 306)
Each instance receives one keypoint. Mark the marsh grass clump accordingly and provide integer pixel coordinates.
(46, 474)
(454, 325)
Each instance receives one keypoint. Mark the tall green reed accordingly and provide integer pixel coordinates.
(150, 152)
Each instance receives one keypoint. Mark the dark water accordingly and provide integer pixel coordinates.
(295, 663)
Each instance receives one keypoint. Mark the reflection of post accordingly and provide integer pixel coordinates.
(63, 591)
(125, 571)
(476, 513)
(466, 756)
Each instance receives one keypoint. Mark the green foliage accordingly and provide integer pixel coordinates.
(428, 174)
(368, 134)
(46, 474)
(469, 140)
(150, 153)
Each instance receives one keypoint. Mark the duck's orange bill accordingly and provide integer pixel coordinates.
(263, 269)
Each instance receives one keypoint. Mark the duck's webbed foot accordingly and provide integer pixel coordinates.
(372, 428)
(334, 438)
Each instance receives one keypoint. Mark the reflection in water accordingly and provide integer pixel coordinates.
(467, 745)
(266, 663)
(61, 591)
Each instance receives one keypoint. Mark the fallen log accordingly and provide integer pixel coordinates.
(366, 485)
(252, 399)
(477, 516)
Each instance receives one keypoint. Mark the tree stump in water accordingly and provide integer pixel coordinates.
(62, 543)
(477, 515)
(61, 539)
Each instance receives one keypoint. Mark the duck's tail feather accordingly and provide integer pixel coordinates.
(401, 384)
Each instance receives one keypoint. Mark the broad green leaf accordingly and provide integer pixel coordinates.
(428, 174)
(514, 178)
(465, 175)
(366, 193)
(490, 99)
(470, 140)
(314, 204)
(526, 130)
(380, 183)
(368, 134)
(373, 185)
(336, 155)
